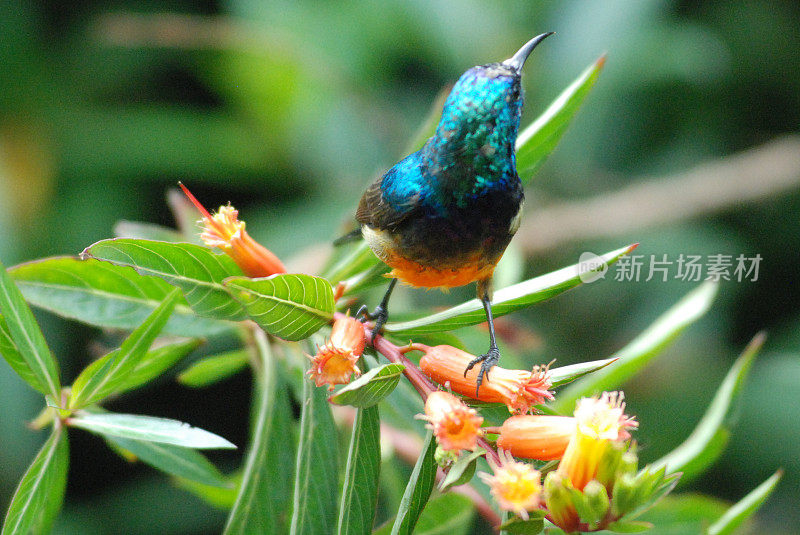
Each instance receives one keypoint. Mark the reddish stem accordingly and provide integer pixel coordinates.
(418, 380)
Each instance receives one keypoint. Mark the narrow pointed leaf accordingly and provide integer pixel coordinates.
(173, 460)
(315, 502)
(630, 526)
(360, 487)
(103, 381)
(28, 338)
(262, 504)
(195, 269)
(359, 258)
(418, 491)
(154, 363)
(639, 352)
(40, 492)
(567, 374)
(105, 295)
(210, 370)
(539, 138)
(517, 526)
(9, 351)
(290, 306)
(709, 438)
(149, 428)
(506, 300)
(370, 388)
(745, 507)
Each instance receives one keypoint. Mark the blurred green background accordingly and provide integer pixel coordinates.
(288, 108)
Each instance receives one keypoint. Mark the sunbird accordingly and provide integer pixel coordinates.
(443, 216)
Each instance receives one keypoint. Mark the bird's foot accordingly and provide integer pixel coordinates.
(487, 360)
(380, 315)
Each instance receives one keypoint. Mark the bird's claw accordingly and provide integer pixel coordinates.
(380, 315)
(487, 360)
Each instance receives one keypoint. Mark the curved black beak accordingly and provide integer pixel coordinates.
(518, 60)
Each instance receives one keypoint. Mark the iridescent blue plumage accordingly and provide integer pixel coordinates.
(443, 215)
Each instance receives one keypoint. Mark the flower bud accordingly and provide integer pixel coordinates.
(536, 436)
(558, 497)
(596, 501)
(520, 390)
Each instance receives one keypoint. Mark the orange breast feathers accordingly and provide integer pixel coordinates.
(474, 268)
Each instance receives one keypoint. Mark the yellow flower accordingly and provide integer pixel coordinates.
(536, 436)
(599, 422)
(520, 390)
(225, 231)
(515, 486)
(335, 362)
(455, 425)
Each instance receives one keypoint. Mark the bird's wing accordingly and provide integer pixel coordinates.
(391, 199)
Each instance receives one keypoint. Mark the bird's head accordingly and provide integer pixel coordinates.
(484, 107)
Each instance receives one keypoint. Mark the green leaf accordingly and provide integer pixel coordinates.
(709, 438)
(290, 306)
(156, 362)
(196, 270)
(418, 490)
(629, 526)
(218, 497)
(214, 368)
(506, 300)
(745, 507)
(567, 374)
(174, 460)
(153, 364)
(9, 351)
(360, 258)
(104, 380)
(106, 295)
(28, 339)
(148, 428)
(517, 526)
(40, 492)
(315, 501)
(448, 514)
(262, 504)
(462, 470)
(642, 349)
(370, 388)
(360, 487)
(539, 138)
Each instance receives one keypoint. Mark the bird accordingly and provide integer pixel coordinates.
(443, 216)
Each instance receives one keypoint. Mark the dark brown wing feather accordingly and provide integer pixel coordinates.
(375, 211)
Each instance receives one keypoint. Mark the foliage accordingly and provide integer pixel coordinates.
(296, 477)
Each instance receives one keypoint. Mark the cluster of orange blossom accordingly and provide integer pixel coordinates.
(592, 445)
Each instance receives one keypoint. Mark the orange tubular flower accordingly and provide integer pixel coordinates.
(225, 231)
(536, 437)
(515, 486)
(518, 389)
(455, 425)
(598, 423)
(335, 362)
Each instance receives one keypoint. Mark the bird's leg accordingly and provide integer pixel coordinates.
(490, 358)
(381, 312)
